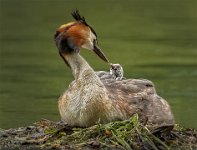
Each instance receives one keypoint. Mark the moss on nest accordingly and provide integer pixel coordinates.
(128, 134)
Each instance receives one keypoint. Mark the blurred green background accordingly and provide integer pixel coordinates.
(152, 39)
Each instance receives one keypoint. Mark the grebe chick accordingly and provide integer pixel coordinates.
(116, 71)
(90, 98)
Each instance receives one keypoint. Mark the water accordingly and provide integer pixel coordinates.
(156, 40)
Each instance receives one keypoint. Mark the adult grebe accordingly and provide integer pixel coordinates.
(90, 98)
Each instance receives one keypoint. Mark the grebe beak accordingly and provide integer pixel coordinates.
(99, 52)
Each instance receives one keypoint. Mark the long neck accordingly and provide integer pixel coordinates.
(78, 65)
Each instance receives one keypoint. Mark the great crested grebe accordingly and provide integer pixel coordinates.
(90, 97)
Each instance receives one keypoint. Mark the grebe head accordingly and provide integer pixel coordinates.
(72, 36)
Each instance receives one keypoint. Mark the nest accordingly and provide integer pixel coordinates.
(128, 134)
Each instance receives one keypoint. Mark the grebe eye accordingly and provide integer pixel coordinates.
(95, 41)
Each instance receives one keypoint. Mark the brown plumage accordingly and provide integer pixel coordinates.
(137, 96)
(97, 97)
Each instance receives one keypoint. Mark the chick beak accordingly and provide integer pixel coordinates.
(99, 52)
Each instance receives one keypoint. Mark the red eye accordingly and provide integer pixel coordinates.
(94, 41)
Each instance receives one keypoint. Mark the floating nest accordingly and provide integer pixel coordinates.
(128, 134)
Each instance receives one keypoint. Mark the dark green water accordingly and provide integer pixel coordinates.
(153, 39)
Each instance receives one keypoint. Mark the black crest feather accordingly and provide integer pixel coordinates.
(78, 17)
(81, 19)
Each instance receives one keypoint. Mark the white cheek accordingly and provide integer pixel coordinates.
(88, 45)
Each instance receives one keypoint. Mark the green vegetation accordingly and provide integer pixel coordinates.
(128, 134)
(152, 39)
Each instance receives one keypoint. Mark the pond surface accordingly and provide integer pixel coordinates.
(156, 40)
